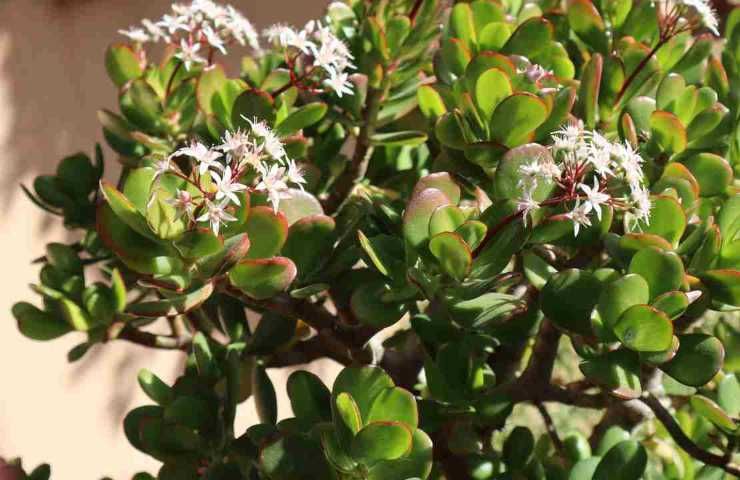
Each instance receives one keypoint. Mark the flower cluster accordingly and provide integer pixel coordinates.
(192, 27)
(678, 16)
(590, 172)
(217, 173)
(323, 58)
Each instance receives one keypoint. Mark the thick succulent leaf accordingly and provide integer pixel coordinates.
(364, 384)
(712, 172)
(381, 441)
(662, 270)
(506, 179)
(309, 397)
(267, 232)
(394, 404)
(122, 64)
(626, 460)
(728, 395)
(452, 253)
(366, 305)
(36, 324)
(618, 372)
(668, 132)
(644, 329)
(708, 409)
(492, 87)
(588, 91)
(263, 278)
(173, 306)
(515, 119)
(294, 457)
(301, 118)
(697, 361)
(310, 241)
(724, 285)
(620, 295)
(418, 214)
(586, 21)
(568, 299)
(416, 464)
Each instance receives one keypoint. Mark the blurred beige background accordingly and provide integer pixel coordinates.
(52, 81)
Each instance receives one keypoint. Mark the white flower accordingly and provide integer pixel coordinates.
(172, 24)
(213, 39)
(273, 183)
(162, 166)
(156, 33)
(294, 174)
(704, 13)
(227, 186)
(136, 34)
(188, 53)
(183, 201)
(340, 83)
(535, 72)
(594, 198)
(568, 138)
(280, 35)
(641, 204)
(242, 29)
(526, 205)
(579, 216)
(270, 142)
(215, 215)
(205, 157)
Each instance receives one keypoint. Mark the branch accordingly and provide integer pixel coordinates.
(119, 331)
(363, 151)
(683, 441)
(306, 352)
(550, 427)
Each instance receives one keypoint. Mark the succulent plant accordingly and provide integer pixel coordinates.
(471, 206)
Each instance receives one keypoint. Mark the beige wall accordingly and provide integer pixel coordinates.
(51, 83)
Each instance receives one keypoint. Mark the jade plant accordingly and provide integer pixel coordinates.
(514, 223)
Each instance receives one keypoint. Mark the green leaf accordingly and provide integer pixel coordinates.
(448, 130)
(348, 412)
(264, 396)
(394, 404)
(381, 441)
(728, 395)
(673, 304)
(310, 242)
(531, 37)
(662, 270)
(416, 464)
(253, 105)
(455, 54)
(588, 92)
(667, 219)
(364, 384)
(644, 329)
(430, 102)
(586, 21)
(668, 132)
(300, 204)
(516, 117)
(309, 397)
(37, 324)
(263, 278)
(472, 232)
(125, 210)
(584, 469)
(122, 64)
(301, 118)
(418, 214)
(273, 331)
(442, 181)
(568, 299)
(620, 295)
(453, 254)
(173, 306)
(724, 285)
(617, 371)
(294, 457)
(697, 361)
(462, 25)
(713, 412)
(712, 172)
(155, 388)
(365, 304)
(198, 243)
(537, 270)
(492, 87)
(408, 138)
(267, 232)
(518, 448)
(626, 460)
